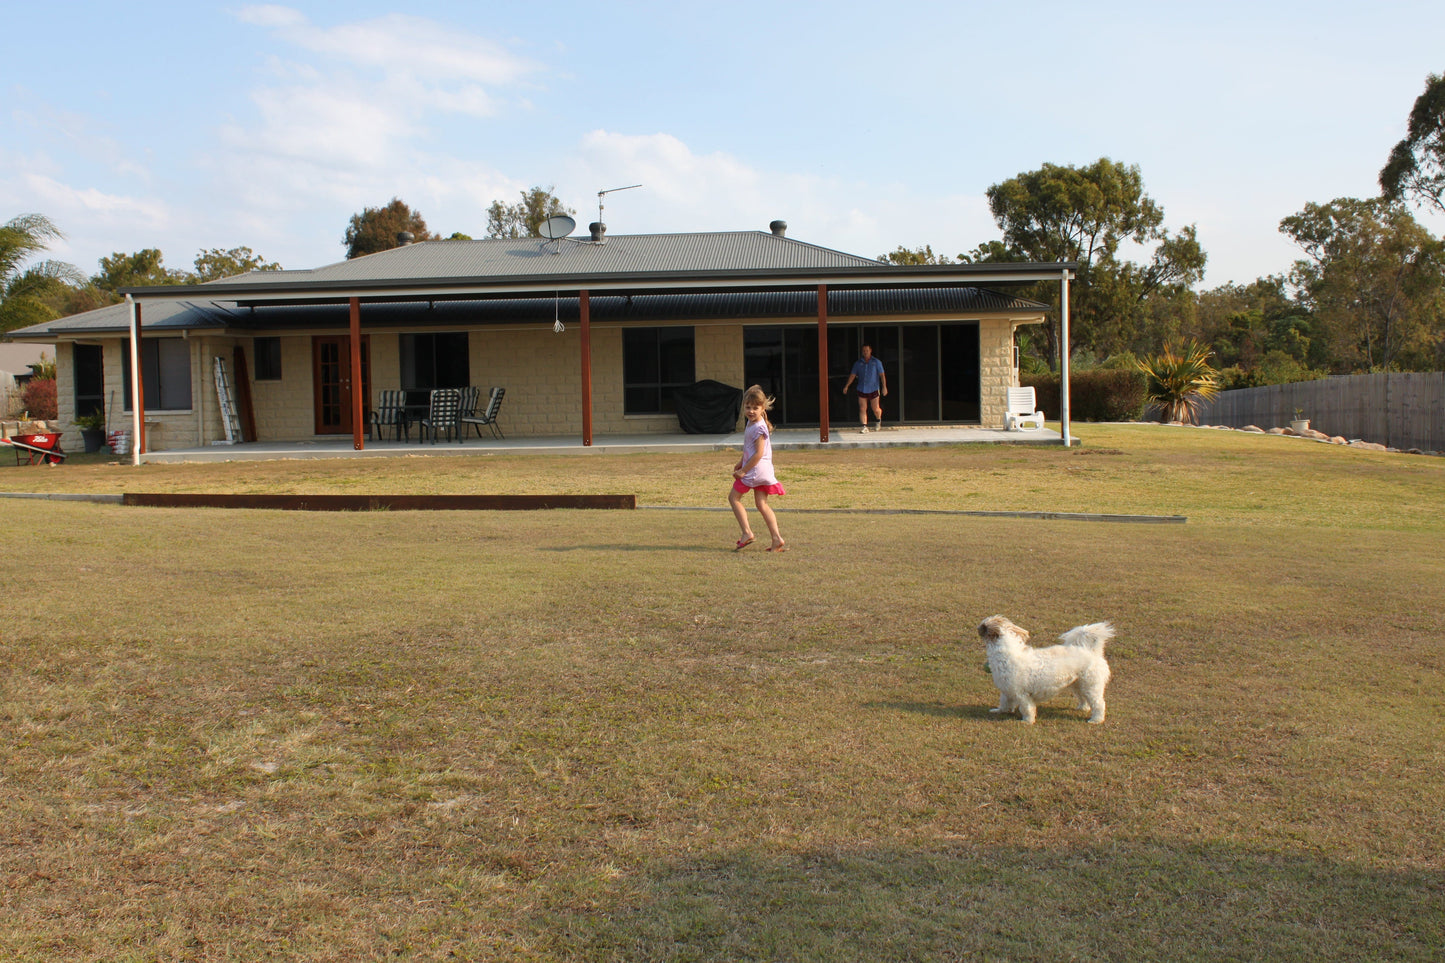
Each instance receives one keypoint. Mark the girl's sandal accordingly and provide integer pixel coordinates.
(745, 542)
(780, 547)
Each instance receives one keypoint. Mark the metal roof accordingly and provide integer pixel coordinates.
(161, 316)
(633, 264)
(157, 316)
(573, 257)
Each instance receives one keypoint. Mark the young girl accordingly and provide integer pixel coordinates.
(754, 471)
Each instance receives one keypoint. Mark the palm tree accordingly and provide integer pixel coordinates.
(1178, 385)
(22, 291)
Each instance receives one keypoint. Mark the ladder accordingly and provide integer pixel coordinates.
(228, 406)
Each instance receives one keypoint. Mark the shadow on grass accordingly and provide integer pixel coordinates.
(1057, 712)
(670, 547)
(1118, 902)
(938, 710)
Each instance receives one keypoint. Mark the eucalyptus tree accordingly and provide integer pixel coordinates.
(379, 228)
(1094, 215)
(1415, 170)
(525, 218)
(1372, 276)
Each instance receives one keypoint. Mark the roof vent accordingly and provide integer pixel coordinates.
(780, 228)
(598, 230)
(405, 238)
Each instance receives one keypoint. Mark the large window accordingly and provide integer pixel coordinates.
(433, 361)
(655, 363)
(165, 369)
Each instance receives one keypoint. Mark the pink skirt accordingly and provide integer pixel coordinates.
(774, 489)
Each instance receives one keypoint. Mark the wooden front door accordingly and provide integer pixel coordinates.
(331, 376)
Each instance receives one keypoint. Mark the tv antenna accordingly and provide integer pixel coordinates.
(611, 190)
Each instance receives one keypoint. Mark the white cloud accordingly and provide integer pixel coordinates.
(687, 191)
(398, 44)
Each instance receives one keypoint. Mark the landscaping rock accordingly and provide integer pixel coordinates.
(1279, 431)
(1254, 428)
(1338, 440)
(1366, 445)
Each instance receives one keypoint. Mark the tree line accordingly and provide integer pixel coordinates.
(1367, 293)
(32, 293)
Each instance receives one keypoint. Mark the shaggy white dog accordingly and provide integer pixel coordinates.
(1026, 676)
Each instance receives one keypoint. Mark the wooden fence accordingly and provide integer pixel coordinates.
(1404, 410)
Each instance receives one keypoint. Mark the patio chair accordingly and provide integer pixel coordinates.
(390, 412)
(1021, 410)
(488, 417)
(441, 414)
(470, 396)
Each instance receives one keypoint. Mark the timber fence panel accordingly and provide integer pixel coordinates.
(1400, 410)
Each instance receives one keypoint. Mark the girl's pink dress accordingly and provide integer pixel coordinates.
(761, 478)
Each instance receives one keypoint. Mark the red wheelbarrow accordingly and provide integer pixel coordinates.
(36, 449)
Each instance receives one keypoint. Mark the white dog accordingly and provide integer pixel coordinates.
(1026, 676)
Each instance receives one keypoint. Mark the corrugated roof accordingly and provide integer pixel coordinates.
(529, 257)
(958, 302)
(155, 316)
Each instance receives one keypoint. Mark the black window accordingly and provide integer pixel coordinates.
(433, 361)
(165, 368)
(655, 363)
(267, 352)
(89, 379)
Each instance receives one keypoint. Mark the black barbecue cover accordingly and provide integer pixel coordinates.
(708, 408)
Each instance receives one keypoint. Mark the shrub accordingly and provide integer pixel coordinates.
(38, 397)
(1099, 394)
(1179, 384)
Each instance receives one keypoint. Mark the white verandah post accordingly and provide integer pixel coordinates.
(1064, 358)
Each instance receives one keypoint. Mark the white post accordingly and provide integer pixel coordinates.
(135, 399)
(1064, 357)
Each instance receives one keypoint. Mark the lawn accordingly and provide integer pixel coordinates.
(604, 736)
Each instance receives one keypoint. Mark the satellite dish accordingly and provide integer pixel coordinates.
(557, 226)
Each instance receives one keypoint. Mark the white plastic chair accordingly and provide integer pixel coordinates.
(1021, 410)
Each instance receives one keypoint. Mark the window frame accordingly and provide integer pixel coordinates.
(653, 369)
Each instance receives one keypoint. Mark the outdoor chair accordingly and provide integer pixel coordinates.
(489, 416)
(470, 396)
(1021, 410)
(390, 412)
(441, 414)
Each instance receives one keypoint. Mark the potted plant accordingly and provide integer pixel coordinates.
(92, 430)
(1301, 424)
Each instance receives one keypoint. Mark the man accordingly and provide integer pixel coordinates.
(872, 382)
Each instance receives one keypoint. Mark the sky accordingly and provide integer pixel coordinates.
(865, 126)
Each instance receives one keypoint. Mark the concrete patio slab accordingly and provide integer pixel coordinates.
(784, 439)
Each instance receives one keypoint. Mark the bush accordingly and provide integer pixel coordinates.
(38, 398)
(1099, 394)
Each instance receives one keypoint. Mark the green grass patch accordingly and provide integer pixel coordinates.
(605, 736)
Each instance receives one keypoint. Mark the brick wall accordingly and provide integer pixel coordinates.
(540, 369)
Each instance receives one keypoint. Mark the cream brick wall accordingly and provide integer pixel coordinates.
(995, 369)
(540, 369)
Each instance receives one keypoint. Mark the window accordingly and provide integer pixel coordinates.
(655, 363)
(267, 352)
(165, 368)
(433, 361)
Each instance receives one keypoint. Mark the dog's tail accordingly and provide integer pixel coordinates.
(1092, 636)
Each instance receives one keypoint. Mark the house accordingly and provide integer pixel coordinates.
(588, 334)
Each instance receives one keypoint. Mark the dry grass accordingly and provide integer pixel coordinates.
(604, 736)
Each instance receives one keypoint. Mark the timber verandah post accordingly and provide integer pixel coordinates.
(357, 401)
(822, 362)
